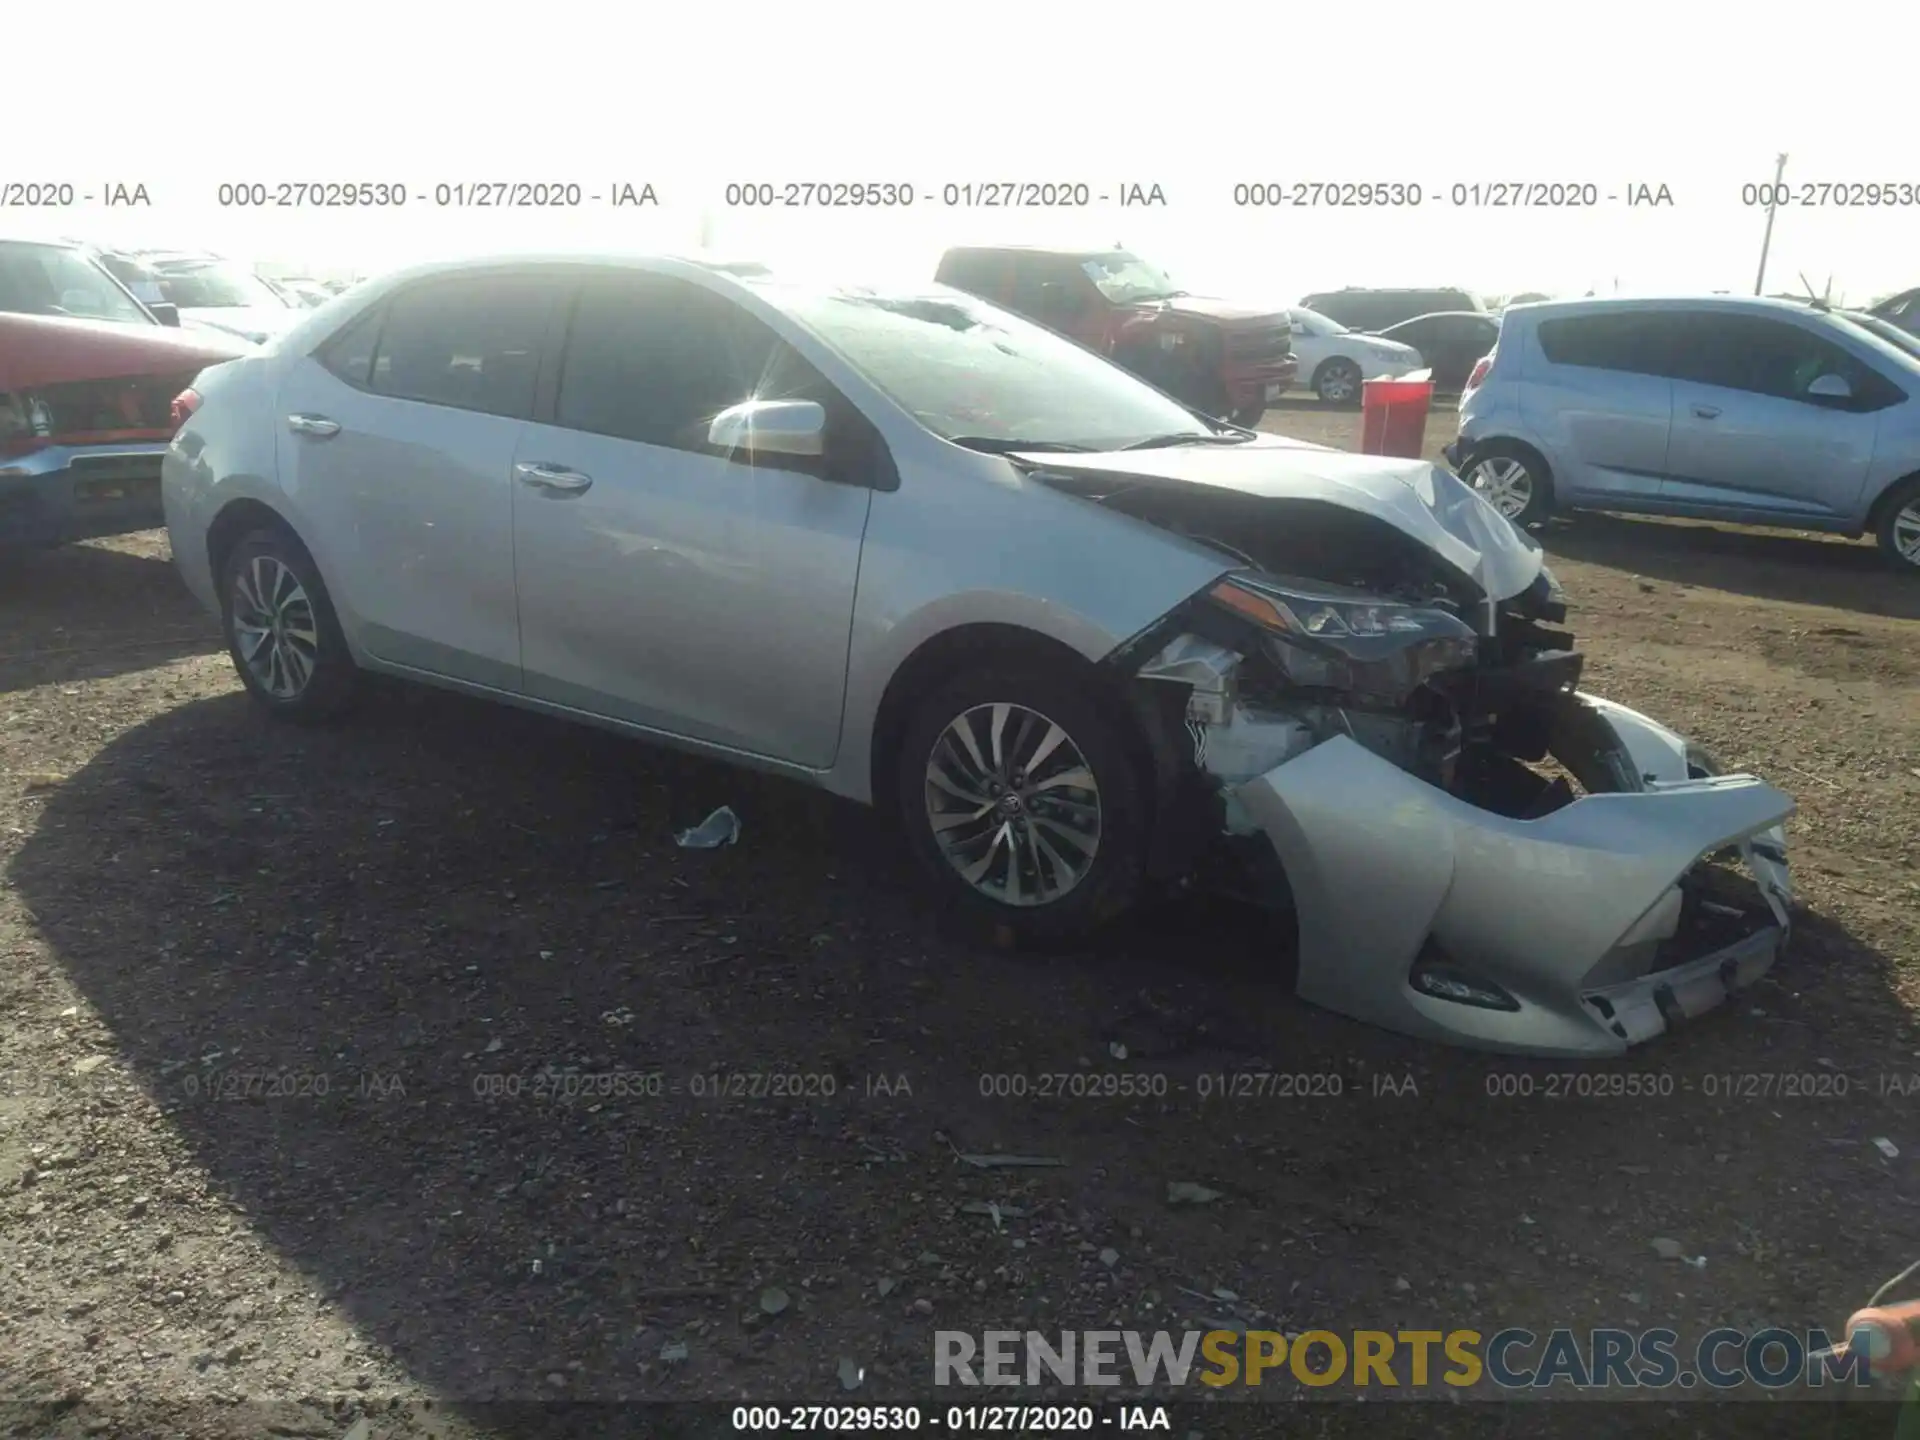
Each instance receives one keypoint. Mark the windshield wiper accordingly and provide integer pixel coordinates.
(994, 445)
(1187, 437)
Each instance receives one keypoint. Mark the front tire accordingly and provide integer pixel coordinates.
(1899, 529)
(1024, 804)
(1338, 383)
(281, 631)
(1512, 479)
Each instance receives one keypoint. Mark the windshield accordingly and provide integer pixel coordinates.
(219, 287)
(1312, 322)
(54, 280)
(963, 367)
(1126, 279)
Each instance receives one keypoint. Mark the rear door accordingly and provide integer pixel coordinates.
(670, 585)
(396, 444)
(1749, 438)
(1599, 390)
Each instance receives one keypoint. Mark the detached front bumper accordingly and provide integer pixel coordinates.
(65, 493)
(1579, 934)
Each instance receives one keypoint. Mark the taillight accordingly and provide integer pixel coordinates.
(1480, 369)
(188, 401)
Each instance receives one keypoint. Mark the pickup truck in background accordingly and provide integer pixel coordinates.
(1226, 360)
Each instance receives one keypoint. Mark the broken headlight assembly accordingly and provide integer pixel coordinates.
(1371, 649)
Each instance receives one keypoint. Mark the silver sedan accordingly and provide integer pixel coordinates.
(1075, 637)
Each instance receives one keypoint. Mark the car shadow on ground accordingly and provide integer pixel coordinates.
(88, 612)
(464, 898)
(1769, 565)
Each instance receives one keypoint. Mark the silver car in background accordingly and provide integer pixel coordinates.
(1753, 411)
(1076, 639)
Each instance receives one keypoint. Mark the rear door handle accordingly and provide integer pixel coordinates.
(1707, 412)
(552, 478)
(318, 426)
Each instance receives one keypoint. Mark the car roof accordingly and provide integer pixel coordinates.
(1067, 251)
(1607, 304)
(737, 269)
(1449, 315)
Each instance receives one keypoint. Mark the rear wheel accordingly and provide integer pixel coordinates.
(1899, 528)
(1512, 479)
(1248, 417)
(281, 630)
(1022, 801)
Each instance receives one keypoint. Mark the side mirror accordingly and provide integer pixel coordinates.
(771, 427)
(166, 312)
(1830, 387)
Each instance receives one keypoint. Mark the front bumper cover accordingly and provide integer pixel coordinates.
(1572, 920)
(63, 493)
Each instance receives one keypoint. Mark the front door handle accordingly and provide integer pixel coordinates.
(552, 478)
(1707, 412)
(318, 426)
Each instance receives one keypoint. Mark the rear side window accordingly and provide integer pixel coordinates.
(471, 344)
(1634, 343)
(349, 354)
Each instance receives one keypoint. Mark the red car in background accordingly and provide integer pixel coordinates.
(86, 404)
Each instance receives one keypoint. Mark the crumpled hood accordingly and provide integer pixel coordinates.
(1424, 501)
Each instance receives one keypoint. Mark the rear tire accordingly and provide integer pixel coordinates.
(1512, 478)
(1077, 850)
(1899, 529)
(1248, 417)
(281, 631)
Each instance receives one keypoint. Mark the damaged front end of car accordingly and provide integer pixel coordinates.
(1475, 850)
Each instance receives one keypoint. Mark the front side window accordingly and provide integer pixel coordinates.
(654, 359)
(57, 281)
(473, 344)
(964, 368)
(1770, 357)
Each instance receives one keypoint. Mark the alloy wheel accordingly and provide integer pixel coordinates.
(1013, 804)
(1337, 385)
(274, 628)
(1906, 533)
(1505, 482)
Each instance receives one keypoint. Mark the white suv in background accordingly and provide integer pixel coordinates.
(1334, 360)
(1757, 412)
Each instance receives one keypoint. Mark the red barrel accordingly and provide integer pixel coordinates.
(1393, 417)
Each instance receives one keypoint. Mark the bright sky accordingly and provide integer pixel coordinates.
(1697, 95)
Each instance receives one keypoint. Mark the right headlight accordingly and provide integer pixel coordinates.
(1372, 649)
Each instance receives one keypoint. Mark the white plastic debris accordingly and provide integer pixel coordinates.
(722, 827)
(1886, 1147)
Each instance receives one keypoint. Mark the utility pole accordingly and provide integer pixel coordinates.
(1766, 242)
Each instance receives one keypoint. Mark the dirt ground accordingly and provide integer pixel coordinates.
(287, 1021)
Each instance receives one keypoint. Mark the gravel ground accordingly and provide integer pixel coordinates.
(286, 1020)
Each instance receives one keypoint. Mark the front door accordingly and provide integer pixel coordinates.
(1748, 437)
(663, 583)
